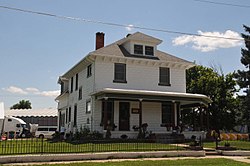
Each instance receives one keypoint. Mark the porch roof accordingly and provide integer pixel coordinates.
(185, 99)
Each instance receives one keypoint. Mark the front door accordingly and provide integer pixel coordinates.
(124, 108)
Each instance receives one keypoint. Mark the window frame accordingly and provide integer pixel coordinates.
(89, 71)
(137, 50)
(167, 117)
(147, 52)
(88, 103)
(75, 115)
(76, 82)
(124, 73)
(71, 84)
(162, 74)
(80, 93)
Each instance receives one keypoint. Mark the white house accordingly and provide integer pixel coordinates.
(127, 83)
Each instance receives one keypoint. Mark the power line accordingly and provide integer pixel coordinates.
(222, 3)
(116, 24)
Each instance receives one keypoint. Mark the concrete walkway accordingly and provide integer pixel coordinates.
(243, 159)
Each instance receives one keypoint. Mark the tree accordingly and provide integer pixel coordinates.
(23, 104)
(243, 78)
(220, 88)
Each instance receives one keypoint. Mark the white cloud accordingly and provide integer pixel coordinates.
(206, 44)
(32, 91)
(16, 90)
(54, 93)
(129, 27)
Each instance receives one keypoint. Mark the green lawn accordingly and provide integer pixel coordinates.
(240, 145)
(180, 162)
(31, 146)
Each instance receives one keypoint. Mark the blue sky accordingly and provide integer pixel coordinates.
(35, 50)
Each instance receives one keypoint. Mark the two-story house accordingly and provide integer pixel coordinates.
(127, 83)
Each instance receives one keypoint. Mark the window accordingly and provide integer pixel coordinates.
(138, 49)
(120, 73)
(42, 129)
(88, 106)
(89, 70)
(76, 81)
(71, 84)
(167, 114)
(69, 114)
(80, 94)
(9, 120)
(149, 50)
(110, 112)
(62, 87)
(52, 129)
(75, 115)
(164, 76)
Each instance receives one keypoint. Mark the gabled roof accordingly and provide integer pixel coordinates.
(138, 36)
(117, 50)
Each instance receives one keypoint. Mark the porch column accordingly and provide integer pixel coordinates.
(175, 114)
(105, 115)
(60, 120)
(140, 113)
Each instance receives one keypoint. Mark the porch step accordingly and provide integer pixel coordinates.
(169, 138)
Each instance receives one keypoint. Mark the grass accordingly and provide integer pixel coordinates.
(179, 162)
(240, 145)
(33, 146)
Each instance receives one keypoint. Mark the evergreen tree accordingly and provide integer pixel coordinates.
(243, 78)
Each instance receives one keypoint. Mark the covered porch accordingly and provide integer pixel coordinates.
(127, 112)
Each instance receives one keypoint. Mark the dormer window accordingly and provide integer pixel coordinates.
(149, 50)
(138, 49)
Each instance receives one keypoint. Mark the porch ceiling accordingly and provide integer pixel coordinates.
(185, 99)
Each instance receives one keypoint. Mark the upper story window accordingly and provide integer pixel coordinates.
(164, 76)
(62, 87)
(76, 86)
(149, 50)
(120, 73)
(89, 70)
(71, 84)
(138, 49)
(80, 94)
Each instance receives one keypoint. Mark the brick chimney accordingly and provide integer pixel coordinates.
(99, 43)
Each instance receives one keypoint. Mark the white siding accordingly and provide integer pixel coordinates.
(63, 102)
(87, 85)
(140, 77)
(97, 116)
